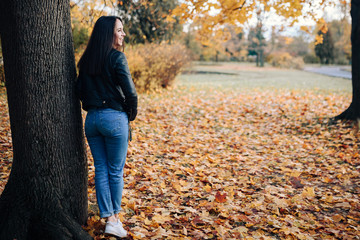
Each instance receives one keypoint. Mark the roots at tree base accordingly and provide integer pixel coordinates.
(22, 217)
(351, 113)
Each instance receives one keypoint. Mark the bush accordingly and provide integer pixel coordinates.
(285, 60)
(341, 61)
(311, 58)
(155, 66)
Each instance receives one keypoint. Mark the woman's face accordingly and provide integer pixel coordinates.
(119, 34)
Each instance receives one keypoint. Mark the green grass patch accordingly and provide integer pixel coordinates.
(247, 76)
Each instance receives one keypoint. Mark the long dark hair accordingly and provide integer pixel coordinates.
(99, 45)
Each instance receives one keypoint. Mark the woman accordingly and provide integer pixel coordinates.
(107, 92)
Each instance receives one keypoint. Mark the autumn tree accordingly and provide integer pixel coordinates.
(46, 194)
(236, 47)
(341, 31)
(298, 46)
(325, 50)
(190, 42)
(86, 12)
(149, 21)
(257, 43)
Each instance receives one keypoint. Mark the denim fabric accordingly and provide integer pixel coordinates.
(107, 134)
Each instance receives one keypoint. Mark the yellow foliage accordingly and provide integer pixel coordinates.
(243, 55)
(319, 39)
(238, 12)
(306, 29)
(285, 60)
(322, 25)
(288, 40)
(155, 66)
(89, 11)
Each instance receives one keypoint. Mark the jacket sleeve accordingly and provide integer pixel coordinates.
(124, 80)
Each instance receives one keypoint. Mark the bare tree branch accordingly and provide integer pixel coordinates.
(239, 8)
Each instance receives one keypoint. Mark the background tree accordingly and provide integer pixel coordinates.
(236, 45)
(190, 42)
(86, 12)
(149, 21)
(46, 194)
(298, 46)
(341, 32)
(325, 50)
(257, 44)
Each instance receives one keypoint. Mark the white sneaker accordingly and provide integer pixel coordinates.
(116, 229)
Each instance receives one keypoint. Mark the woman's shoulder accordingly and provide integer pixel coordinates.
(117, 56)
(116, 53)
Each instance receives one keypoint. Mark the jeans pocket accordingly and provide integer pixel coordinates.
(112, 123)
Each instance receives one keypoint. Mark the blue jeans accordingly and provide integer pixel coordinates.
(107, 134)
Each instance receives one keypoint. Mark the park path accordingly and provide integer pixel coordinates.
(334, 71)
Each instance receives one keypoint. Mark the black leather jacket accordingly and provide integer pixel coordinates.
(114, 88)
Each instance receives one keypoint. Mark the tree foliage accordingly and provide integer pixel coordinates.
(86, 12)
(149, 21)
(240, 11)
(257, 43)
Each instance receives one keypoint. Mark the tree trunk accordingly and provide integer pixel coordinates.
(261, 57)
(46, 194)
(353, 112)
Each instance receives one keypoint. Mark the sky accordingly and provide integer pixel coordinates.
(331, 13)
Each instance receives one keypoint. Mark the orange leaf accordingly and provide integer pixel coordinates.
(221, 198)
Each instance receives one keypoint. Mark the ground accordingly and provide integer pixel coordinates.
(236, 152)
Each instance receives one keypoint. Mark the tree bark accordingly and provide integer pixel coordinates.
(46, 194)
(353, 111)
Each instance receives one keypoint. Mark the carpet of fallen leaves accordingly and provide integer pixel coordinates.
(234, 164)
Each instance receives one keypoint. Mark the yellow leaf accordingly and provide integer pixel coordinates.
(241, 229)
(308, 192)
(161, 219)
(319, 39)
(295, 173)
(207, 188)
(189, 151)
(147, 221)
(184, 231)
(337, 218)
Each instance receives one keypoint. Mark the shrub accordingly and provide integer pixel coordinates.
(155, 66)
(285, 60)
(311, 58)
(341, 61)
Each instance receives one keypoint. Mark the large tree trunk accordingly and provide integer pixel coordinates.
(46, 194)
(353, 112)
